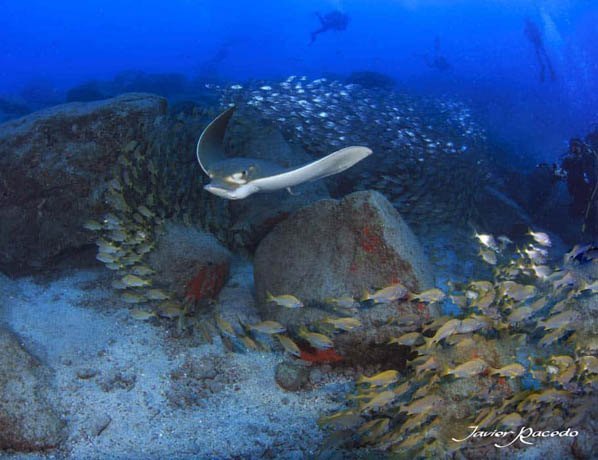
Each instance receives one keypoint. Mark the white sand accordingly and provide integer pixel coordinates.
(76, 323)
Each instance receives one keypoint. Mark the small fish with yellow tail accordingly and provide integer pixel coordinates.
(171, 310)
(516, 291)
(341, 420)
(249, 343)
(433, 295)
(541, 238)
(410, 339)
(224, 326)
(470, 368)
(344, 324)
(268, 327)
(447, 329)
(380, 400)
(520, 314)
(373, 429)
(142, 315)
(342, 302)
(487, 240)
(566, 320)
(107, 247)
(156, 294)
(107, 258)
(285, 300)
(552, 337)
(488, 256)
(430, 364)
(472, 323)
(142, 270)
(316, 340)
(92, 225)
(510, 371)
(550, 396)
(388, 294)
(536, 255)
(381, 379)
(132, 297)
(288, 344)
(134, 281)
(414, 422)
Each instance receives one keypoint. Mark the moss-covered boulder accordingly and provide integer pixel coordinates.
(54, 166)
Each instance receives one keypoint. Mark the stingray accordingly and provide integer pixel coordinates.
(237, 178)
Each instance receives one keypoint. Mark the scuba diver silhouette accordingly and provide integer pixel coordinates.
(335, 20)
(580, 166)
(437, 61)
(535, 37)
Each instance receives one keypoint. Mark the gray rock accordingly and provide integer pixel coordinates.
(291, 376)
(28, 421)
(256, 215)
(341, 248)
(338, 248)
(54, 165)
(190, 262)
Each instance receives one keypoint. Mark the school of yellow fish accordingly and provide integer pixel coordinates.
(148, 186)
(523, 351)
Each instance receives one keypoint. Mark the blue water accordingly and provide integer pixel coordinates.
(56, 45)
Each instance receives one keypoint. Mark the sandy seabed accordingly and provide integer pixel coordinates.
(113, 380)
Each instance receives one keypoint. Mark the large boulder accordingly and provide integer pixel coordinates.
(54, 166)
(256, 215)
(28, 421)
(342, 248)
(336, 248)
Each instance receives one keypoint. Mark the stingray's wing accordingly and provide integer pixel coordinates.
(331, 164)
(210, 148)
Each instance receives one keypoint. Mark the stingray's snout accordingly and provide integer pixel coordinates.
(231, 194)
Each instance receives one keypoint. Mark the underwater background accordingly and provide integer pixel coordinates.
(298, 229)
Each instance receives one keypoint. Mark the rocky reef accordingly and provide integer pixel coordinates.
(334, 287)
(54, 167)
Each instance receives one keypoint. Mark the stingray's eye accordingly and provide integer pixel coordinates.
(239, 177)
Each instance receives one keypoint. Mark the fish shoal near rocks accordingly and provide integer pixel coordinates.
(336, 248)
